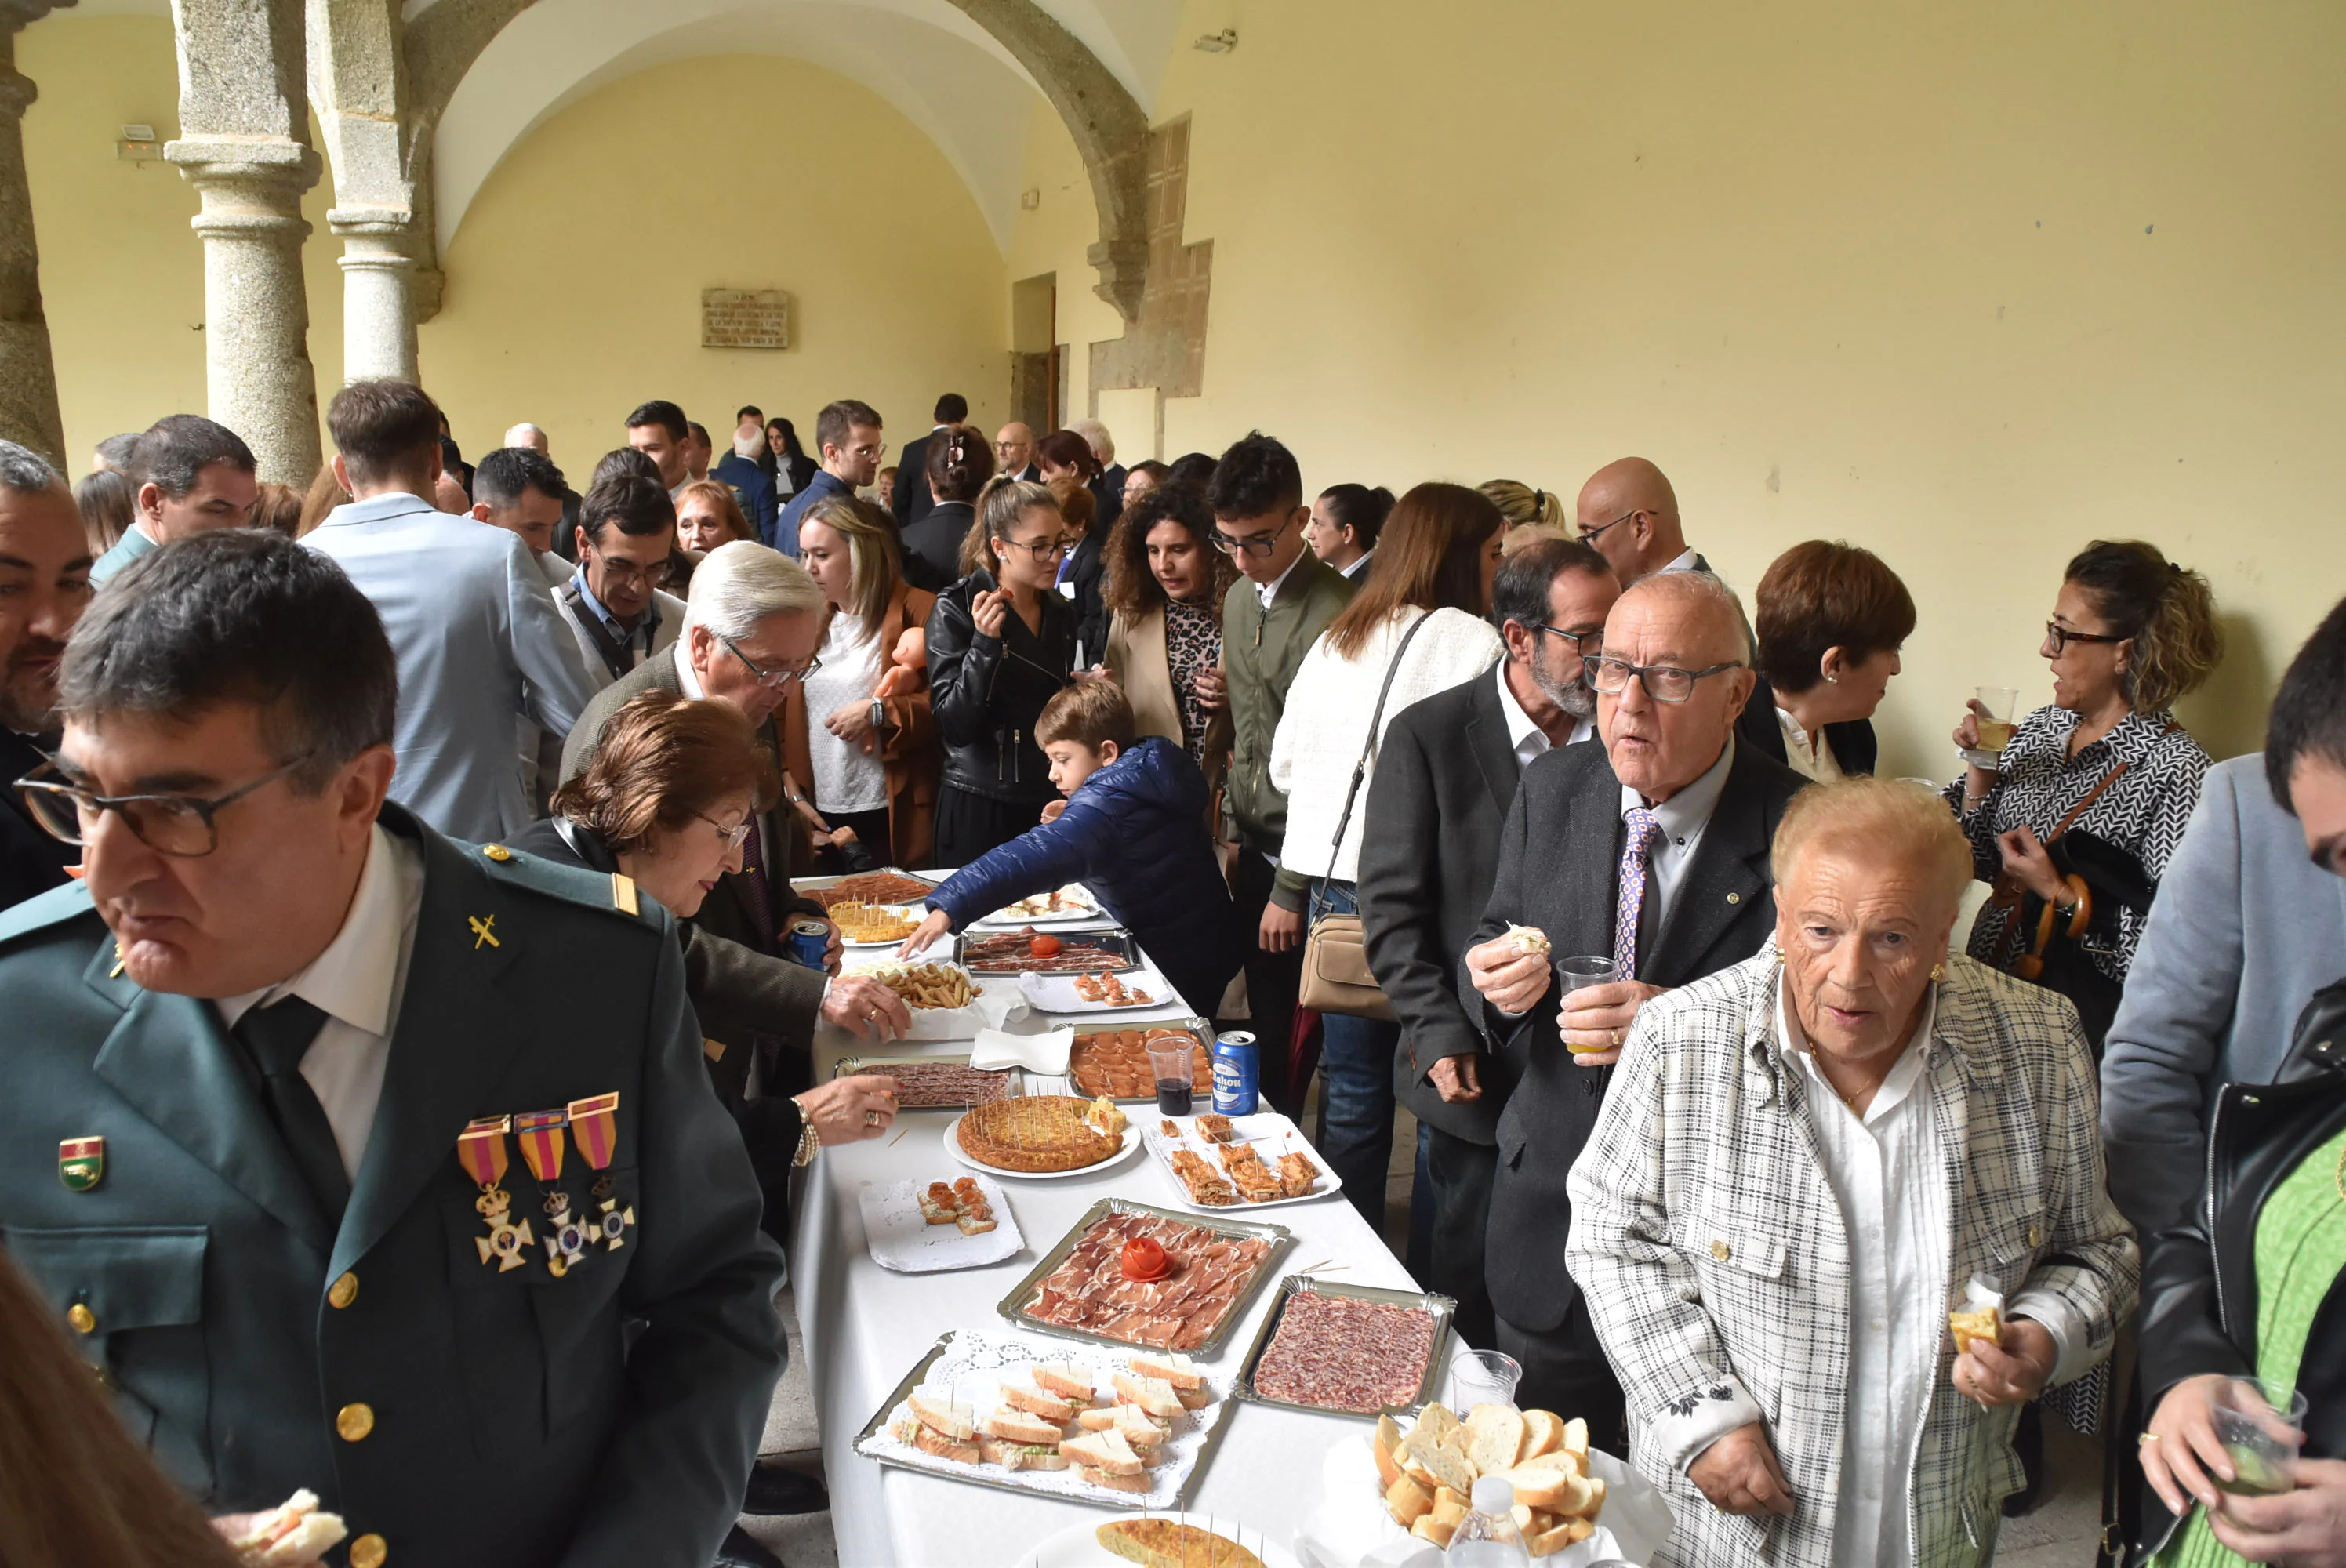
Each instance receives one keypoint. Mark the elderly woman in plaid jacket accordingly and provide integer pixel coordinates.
(1803, 1162)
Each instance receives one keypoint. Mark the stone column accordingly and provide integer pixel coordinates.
(257, 370)
(28, 377)
(377, 301)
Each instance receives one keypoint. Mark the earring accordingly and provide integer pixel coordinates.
(1938, 973)
(1832, 681)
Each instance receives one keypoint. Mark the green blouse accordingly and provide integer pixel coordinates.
(2301, 1251)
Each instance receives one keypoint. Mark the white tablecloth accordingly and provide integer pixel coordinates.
(865, 1328)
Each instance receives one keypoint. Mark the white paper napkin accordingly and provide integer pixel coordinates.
(1045, 1053)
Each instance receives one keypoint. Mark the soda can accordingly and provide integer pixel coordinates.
(809, 944)
(1236, 1074)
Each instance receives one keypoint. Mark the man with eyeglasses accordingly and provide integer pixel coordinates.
(1014, 452)
(284, 1036)
(1629, 513)
(44, 589)
(1650, 852)
(480, 641)
(627, 530)
(1284, 598)
(848, 434)
(1446, 773)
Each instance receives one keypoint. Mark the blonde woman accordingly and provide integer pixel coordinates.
(1531, 514)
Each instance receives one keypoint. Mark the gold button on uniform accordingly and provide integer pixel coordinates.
(2035, 1237)
(368, 1552)
(494, 852)
(1735, 898)
(1721, 1250)
(342, 1292)
(83, 1319)
(354, 1421)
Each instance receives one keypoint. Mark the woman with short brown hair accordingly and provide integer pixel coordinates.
(1832, 618)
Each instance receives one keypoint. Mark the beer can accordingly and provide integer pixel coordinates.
(809, 944)
(1236, 1074)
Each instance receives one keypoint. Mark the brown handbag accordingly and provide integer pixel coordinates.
(1336, 973)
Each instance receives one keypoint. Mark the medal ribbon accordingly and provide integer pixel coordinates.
(480, 1150)
(595, 1127)
(539, 1132)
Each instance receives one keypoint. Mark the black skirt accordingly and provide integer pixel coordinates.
(968, 825)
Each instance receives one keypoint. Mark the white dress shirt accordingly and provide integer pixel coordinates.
(356, 982)
(1267, 592)
(1682, 816)
(1354, 572)
(1528, 740)
(1686, 560)
(1809, 759)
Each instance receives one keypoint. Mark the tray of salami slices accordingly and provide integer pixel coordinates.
(1348, 1349)
(1113, 1428)
(935, 1082)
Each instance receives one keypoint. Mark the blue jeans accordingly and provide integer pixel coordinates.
(1356, 1086)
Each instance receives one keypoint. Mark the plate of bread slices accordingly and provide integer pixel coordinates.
(915, 1229)
(1414, 1480)
(1160, 1540)
(1090, 1424)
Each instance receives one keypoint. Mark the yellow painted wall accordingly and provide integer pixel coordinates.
(574, 283)
(1969, 285)
(122, 275)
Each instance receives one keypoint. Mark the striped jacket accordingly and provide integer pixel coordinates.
(1713, 1258)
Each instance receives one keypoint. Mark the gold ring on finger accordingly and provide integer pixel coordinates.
(871, 1118)
(2147, 1439)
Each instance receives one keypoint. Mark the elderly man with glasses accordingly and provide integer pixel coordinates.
(1648, 857)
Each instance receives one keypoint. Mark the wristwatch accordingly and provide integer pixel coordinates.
(879, 713)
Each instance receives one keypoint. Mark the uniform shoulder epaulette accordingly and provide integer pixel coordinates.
(611, 892)
(42, 910)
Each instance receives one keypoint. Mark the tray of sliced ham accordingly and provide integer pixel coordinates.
(1348, 1349)
(1128, 1273)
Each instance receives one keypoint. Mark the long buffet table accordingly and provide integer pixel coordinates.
(865, 1326)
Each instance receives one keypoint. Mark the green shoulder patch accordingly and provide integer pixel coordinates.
(573, 884)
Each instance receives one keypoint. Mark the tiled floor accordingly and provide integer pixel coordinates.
(2060, 1534)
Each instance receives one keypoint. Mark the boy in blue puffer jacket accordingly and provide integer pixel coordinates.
(1133, 830)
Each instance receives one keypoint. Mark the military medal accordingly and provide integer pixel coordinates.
(540, 1136)
(81, 1161)
(480, 1150)
(595, 1127)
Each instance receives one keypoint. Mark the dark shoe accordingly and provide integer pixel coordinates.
(775, 1490)
(740, 1551)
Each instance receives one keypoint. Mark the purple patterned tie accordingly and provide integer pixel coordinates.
(761, 895)
(1631, 902)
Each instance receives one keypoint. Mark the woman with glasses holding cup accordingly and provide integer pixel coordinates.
(1002, 642)
(2074, 820)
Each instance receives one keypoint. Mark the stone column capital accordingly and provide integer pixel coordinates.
(257, 161)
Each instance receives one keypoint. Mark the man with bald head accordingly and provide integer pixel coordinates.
(1629, 513)
(45, 563)
(1648, 853)
(1014, 452)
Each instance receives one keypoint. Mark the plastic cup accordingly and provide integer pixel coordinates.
(1483, 1378)
(2262, 1429)
(1996, 730)
(1171, 1065)
(1579, 974)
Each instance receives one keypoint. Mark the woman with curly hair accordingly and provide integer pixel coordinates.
(1165, 588)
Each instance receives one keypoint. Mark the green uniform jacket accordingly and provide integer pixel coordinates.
(513, 1420)
(1261, 651)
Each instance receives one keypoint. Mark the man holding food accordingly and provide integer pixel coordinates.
(356, 1189)
(1650, 852)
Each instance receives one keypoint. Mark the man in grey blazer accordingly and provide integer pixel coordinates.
(479, 640)
(2244, 931)
(1651, 850)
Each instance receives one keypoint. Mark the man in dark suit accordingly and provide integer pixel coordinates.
(309, 1067)
(1446, 774)
(913, 499)
(44, 562)
(1629, 514)
(1650, 852)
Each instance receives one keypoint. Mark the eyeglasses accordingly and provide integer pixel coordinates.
(2061, 636)
(1588, 535)
(734, 834)
(1663, 682)
(771, 678)
(620, 574)
(1041, 549)
(1011, 446)
(874, 452)
(178, 825)
(1258, 546)
(1540, 629)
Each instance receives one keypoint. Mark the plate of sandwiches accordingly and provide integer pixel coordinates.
(1043, 1136)
(1217, 1162)
(916, 1229)
(1117, 1429)
(1160, 1540)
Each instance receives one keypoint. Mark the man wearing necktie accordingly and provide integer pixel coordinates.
(280, 1035)
(1651, 853)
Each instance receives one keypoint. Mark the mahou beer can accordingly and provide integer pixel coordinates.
(810, 943)
(1236, 1074)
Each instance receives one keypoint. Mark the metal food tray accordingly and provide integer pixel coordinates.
(1011, 1306)
(1117, 941)
(849, 1066)
(1108, 1024)
(913, 1378)
(1441, 1306)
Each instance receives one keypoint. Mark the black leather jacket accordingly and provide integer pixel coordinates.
(2200, 1280)
(986, 692)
